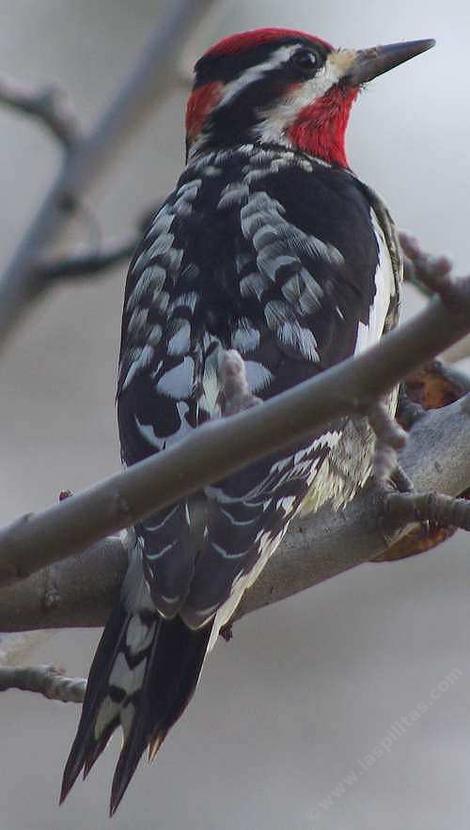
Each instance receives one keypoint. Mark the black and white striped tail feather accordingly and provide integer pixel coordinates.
(173, 654)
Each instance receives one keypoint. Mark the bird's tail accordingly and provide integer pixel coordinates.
(142, 678)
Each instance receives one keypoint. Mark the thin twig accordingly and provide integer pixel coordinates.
(424, 270)
(432, 274)
(49, 105)
(45, 680)
(89, 263)
(436, 508)
(98, 258)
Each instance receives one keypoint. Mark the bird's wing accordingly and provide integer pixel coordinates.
(289, 266)
(317, 284)
(160, 364)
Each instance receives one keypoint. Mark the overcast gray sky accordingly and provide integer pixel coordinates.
(288, 713)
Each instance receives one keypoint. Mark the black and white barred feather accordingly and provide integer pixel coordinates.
(293, 263)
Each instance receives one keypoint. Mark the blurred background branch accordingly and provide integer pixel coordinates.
(49, 105)
(144, 89)
(46, 680)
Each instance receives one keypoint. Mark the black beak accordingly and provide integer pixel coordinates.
(372, 62)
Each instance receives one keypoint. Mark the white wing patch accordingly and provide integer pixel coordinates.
(139, 635)
(178, 382)
(180, 342)
(368, 335)
(241, 584)
(123, 678)
(279, 248)
(210, 383)
(257, 375)
(300, 338)
(245, 338)
(148, 433)
(141, 362)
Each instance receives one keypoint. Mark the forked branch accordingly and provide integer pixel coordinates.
(88, 155)
(49, 105)
(46, 680)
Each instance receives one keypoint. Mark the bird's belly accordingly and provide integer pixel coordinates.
(347, 466)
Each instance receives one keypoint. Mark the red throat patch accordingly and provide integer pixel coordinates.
(200, 104)
(320, 127)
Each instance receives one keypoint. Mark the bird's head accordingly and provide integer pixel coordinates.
(283, 87)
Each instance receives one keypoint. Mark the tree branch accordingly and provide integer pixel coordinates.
(49, 105)
(47, 680)
(436, 508)
(316, 548)
(97, 259)
(88, 264)
(420, 267)
(146, 85)
(224, 446)
(459, 351)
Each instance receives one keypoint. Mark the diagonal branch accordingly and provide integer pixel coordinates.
(224, 446)
(421, 268)
(47, 680)
(317, 547)
(87, 264)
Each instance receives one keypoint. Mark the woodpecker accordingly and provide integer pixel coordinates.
(269, 245)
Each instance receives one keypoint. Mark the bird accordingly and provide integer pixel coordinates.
(271, 248)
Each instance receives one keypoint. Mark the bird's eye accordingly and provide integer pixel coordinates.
(306, 61)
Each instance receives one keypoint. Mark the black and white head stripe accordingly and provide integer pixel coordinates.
(278, 59)
(265, 56)
(250, 83)
(258, 92)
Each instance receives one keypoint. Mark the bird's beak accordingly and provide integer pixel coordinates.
(368, 63)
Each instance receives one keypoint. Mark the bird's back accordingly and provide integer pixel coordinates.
(285, 259)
